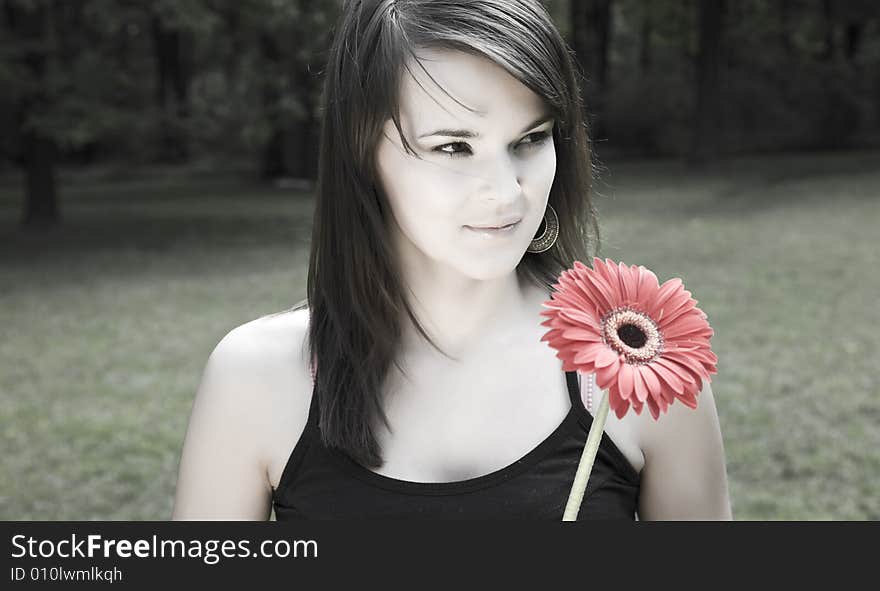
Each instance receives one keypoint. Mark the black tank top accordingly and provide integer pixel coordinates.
(324, 483)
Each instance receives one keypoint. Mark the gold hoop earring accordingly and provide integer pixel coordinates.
(551, 231)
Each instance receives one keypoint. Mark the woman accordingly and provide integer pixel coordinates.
(454, 187)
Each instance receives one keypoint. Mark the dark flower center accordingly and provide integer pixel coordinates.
(632, 335)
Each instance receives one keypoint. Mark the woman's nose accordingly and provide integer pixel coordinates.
(502, 180)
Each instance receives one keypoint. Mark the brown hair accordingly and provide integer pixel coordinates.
(355, 293)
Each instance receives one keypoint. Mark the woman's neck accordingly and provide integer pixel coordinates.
(462, 315)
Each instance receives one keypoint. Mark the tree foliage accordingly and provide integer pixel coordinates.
(237, 83)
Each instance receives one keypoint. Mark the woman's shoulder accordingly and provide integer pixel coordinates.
(263, 367)
(277, 323)
(251, 396)
(263, 361)
(685, 475)
(266, 339)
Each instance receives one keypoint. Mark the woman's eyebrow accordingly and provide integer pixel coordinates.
(466, 133)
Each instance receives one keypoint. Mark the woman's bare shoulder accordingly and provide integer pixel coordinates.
(268, 355)
(272, 334)
(250, 349)
(251, 389)
(287, 387)
(685, 475)
(262, 367)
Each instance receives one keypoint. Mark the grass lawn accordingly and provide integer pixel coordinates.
(107, 323)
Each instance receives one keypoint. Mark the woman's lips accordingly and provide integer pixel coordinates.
(494, 232)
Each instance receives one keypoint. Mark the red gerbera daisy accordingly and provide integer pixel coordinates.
(645, 342)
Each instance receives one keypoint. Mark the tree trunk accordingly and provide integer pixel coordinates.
(645, 38)
(302, 158)
(785, 28)
(273, 165)
(273, 159)
(41, 203)
(31, 27)
(172, 85)
(828, 21)
(705, 143)
(853, 40)
(591, 35)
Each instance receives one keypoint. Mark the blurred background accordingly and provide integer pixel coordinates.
(157, 161)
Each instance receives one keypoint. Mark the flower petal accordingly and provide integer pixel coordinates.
(688, 361)
(671, 315)
(581, 334)
(682, 326)
(605, 376)
(568, 364)
(605, 357)
(648, 286)
(689, 399)
(651, 381)
(628, 285)
(666, 291)
(568, 300)
(599, 289)
(622, 410)
(679, 338)
(616, 402)
(590, 352)
(671, 379)
(625, 381)
(573, 294)
(675, 302)
(680, 372)
(578, 317)
(705, 355)
(607, 276)
(557, 342)
(636, 405)
(639, 383)
(654, 408)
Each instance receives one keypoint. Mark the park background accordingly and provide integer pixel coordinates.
(156, 174)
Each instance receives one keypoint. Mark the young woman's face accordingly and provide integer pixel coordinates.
(500, 172)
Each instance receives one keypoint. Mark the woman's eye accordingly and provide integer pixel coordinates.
(535, 139)
(538, 138)
(442, 149)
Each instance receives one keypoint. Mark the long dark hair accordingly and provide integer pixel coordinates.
(356, 297)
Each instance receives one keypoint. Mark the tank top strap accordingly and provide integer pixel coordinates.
(312, 421)
(576, 391)
(573, 379)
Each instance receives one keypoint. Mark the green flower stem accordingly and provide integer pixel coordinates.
(585, 466)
